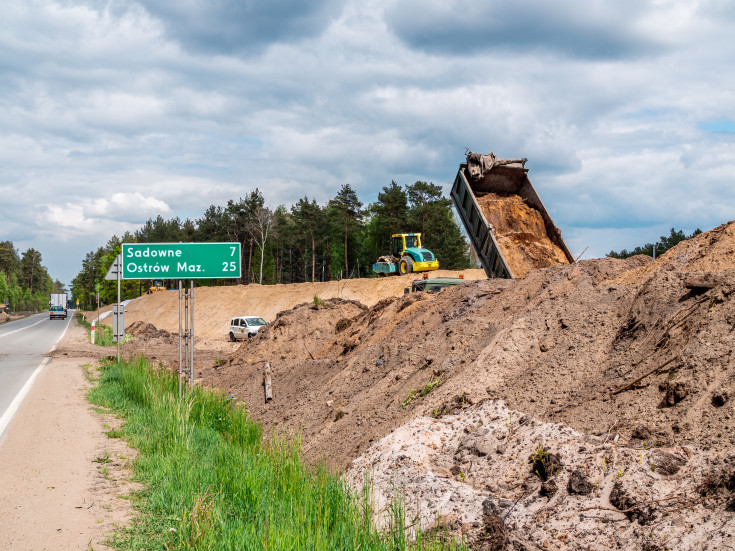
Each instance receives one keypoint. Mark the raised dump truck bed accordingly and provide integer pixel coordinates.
(508, 225)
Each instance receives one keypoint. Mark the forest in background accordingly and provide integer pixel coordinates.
(656, 249)
(25, 284)
(308, 242)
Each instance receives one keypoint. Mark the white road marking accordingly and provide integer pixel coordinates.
(21, 329)
(13, 407)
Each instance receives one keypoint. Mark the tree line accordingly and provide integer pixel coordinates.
(661, 246)
(25, 284)
(306, 242)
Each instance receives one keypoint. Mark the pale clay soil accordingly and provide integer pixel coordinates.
(587, 406)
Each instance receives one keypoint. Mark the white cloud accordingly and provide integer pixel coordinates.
(68, 219)
(115, 112)
(122, 206)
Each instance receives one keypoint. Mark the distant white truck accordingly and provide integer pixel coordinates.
(58, 299)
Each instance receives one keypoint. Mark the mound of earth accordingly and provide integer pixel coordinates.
(497, 474)
(561, 344)
(617, 374)
(141, 329)
(712, 251)
(215, 306)
(4, 316)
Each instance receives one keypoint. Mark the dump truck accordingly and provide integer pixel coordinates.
(406, 256)
(509, 228)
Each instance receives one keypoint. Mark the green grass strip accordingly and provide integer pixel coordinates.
(213, 482)
(104, 332)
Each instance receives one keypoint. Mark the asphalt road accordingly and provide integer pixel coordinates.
(23, 346)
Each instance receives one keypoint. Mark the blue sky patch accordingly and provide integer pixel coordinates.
(719, 126)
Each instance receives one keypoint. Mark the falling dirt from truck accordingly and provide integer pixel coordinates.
(508, 225)
(520, 232)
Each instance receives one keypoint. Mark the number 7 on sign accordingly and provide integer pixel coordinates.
(232, 251)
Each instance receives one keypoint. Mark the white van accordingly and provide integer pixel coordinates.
(244, 327)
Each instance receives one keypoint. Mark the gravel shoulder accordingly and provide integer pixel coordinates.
(63, 481)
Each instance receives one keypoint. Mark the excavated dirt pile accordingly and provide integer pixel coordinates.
(143, 330)
(215, 306)
(587, 406)
(520, 233)
(711, 252)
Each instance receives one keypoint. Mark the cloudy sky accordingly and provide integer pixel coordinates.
(112, 112)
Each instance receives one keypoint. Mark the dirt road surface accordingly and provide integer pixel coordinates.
(61, 478)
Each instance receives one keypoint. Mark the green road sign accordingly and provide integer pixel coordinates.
(181, 260)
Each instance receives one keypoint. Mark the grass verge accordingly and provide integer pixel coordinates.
(103, 335)
(212, 482)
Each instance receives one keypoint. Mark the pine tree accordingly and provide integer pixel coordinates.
(211, 227)
(431, 213)
(345, 213)
(9, 259)
(283, 246)
(32, 270)
(424, 200)
(389, 215)
(159, 230)
(448, 243)
(309, 219)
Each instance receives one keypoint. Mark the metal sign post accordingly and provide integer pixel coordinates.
(119, 332)
(118, 311)
(191, 334)
(186, 336)
(181, 261)
(97, 298)
(180, 290)
(118, 326)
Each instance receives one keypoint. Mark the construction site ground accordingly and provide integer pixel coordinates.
(588, 406)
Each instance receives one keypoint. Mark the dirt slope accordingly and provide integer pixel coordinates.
(555, 345)
(713, 251)
(628, 355)
(509, 481)
(215, 306)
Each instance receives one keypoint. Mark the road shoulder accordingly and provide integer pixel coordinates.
(64, 482)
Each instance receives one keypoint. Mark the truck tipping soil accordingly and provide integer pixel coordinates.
(509, 227)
